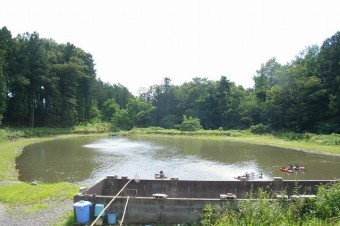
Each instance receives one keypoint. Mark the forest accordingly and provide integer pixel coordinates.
(47, 84)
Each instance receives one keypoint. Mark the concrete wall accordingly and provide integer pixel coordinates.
(148, 210)
(207, 189)
(186, 199)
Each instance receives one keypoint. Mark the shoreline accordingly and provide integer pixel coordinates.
(11, 149)
(15, 148)
(264, 140)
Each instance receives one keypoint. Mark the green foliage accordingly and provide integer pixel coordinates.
(46, 84)
(95, 115)
(260, 129)
(121, 121)
(169, 121)
(85, 128)
(332, 139)
(327, 203)
(43, 83)
(210, 215)
(264, 210)
(139, 112)
(110, 107)
(190, 124)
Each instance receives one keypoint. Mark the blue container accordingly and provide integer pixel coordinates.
(82, 211)
(98, 209)
(111, 218)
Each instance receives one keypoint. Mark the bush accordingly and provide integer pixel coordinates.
(260, 129)
(328, 201)
(169, 121)
(190, 124)
(264, 210)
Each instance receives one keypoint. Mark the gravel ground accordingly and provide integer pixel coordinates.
(17, 215)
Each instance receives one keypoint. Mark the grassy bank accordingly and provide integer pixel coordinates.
(26, 197)
(9, 150)
(326, 144)
(25, 194)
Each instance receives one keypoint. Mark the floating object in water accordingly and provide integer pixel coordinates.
(249, 176)
(293, 168)
(160, 175)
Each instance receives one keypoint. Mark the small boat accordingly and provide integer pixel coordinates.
(293, 168)
(286, 169)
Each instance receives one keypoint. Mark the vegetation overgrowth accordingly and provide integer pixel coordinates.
(266, 210)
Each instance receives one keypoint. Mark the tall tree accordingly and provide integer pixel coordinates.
(165, 99)
(110, 108)
(329, 59)
(36, 72)
(140, 112)
(5, 49)
(265, 78)
(17, 83)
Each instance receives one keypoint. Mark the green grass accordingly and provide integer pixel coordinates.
(23, 193)
(35, 198)
(17, 133)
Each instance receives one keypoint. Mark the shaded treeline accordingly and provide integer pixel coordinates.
(43, 83)
(300, 96)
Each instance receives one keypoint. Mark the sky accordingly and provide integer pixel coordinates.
(137, 43)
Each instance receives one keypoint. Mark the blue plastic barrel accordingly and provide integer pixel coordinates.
(82, 211)
(111, 218)
(98, 209)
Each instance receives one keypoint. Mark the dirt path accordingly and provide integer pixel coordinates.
(2, 210)
(19, 215)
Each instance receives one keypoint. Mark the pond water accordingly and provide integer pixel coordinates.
(87, 159)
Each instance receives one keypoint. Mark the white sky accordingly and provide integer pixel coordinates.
(139, 42)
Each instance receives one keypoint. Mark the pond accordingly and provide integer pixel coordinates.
(87, 159)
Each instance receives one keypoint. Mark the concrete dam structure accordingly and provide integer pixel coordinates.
(174, 201)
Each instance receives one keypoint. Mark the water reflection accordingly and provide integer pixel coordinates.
(87, 159)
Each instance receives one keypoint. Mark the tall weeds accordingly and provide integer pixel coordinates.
(265, 210)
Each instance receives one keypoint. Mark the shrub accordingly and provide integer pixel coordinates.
(328, 201)
(190, 124)
(169, 121)
(264, 210)
(260, 129)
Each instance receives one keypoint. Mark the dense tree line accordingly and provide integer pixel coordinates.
(301, 96)
(43, 83)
